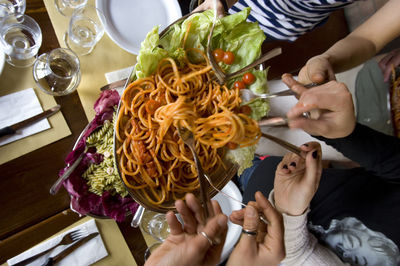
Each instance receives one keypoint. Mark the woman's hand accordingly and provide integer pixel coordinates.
(209, 4)
(318, 69)
(197, 242)
(262, 244)
(297, 180)
(332, 100)
(392, 59)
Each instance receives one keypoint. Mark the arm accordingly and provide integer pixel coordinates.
(360, 45)
(373, 150)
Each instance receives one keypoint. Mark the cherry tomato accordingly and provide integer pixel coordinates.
(245, 109)
(219, 54)
(239, 85)
(232, 145)
(248, 78)
(228, 58)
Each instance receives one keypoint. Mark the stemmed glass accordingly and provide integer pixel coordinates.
(8, 7)
(67, 7)
(58, 72)
(85, 30)
(21, 38)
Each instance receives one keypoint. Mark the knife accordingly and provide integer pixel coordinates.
(114, 85)
(13, 128)
(55, 259)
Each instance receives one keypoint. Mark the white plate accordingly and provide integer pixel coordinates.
(228, 205)
(128, 21)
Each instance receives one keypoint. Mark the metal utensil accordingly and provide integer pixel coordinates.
(9, 130)
(114, 85)
(188, 138)
(67, 239)
(57, 185)
(55, 259)
(137, 217)
(284, 144)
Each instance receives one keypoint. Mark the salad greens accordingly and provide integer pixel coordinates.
(231, 33)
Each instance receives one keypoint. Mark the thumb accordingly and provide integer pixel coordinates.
(251, 220)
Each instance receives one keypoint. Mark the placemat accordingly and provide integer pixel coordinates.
(105, 57)
(15, 79)
(119, 253)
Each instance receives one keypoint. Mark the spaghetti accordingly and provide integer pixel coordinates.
(152, 157)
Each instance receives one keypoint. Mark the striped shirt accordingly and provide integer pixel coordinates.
(289, 19)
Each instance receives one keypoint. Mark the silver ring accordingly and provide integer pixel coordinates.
(249, 232)
(206, 236)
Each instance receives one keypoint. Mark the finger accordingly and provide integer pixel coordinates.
(216, 207)
(237, 217)
(293, 84)
(313, 127)
(175, 226)
(387, 72)
(384, 61)
(215, 228)
(275, 222)
(283, 166)
(313, 168)
(196, 208)
(250, 223)
(189, 221)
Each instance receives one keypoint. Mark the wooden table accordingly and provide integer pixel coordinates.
(29, 214)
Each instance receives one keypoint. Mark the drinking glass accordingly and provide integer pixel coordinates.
(155, 224)
(58, 72)
(8, 7)
(67, 7)
(21, 38)
(85, 30)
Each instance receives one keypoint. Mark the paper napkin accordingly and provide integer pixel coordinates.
(87, 254)
(118, 75)
(19, 106)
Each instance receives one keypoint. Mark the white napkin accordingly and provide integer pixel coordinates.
(118, 75)
(87, 254)
(19, 106)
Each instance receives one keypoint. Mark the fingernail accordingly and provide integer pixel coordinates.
(315, 154)
(305, 144)
(293, 164)
(250, 212)
(284, 166)
(221, 221)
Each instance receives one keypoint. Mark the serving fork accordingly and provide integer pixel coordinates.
(67, 239)
(187, 137)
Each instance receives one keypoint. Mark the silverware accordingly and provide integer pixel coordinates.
(57, 185)
(114, 85)
(137, 217)
(55, 259)
(284, 144)
(188, 138)
(67, 239)
(9, 130)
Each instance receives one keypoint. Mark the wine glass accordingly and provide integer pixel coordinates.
(21, 38)
(155, 224)
(8, 7)
(67, 7)
(58, 72)
(85, 30)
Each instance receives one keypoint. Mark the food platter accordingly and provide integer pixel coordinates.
(127, 22)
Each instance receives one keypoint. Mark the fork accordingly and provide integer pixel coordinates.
(67, 239)
(187, 137)
(223, 77)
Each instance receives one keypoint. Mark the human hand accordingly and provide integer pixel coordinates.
(392, 59)
(297, 180)
(336, 118)
(198, 242)
(318, 70)
(209, 4)
(267, 246)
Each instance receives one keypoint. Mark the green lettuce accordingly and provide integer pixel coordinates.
(242, 156)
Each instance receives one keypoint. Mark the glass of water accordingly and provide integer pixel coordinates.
(67, 7)
(155, 224)
(20, 38)
(85, 30)
(8, 7)
(58, 72)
